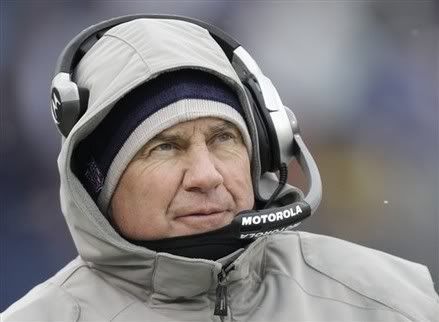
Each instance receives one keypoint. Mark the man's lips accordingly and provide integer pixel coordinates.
(204, 219)
(200, 212)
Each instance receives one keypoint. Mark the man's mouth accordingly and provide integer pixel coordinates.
(200, 212)
(205, 218)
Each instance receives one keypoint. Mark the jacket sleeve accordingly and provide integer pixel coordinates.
(45, 302)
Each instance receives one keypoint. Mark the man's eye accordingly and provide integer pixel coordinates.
(224, 137)
(164, 147)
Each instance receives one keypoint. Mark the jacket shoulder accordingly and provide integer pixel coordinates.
(47, 301)
(399, 284)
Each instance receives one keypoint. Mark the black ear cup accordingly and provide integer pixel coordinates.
(268, 144)
(65, 109)
(68, 106)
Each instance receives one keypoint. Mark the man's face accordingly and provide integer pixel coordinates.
(192, 178)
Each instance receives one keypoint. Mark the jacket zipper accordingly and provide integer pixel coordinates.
(221, 292)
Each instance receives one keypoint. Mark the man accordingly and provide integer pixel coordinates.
(155, 172)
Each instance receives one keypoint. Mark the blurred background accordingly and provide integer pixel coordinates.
(361, 76)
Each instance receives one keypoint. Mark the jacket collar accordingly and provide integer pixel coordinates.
(167, 276)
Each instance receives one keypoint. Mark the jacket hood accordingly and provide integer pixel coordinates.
(126, 56)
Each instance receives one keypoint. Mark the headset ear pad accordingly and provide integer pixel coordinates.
(68, 104)
(268, 144)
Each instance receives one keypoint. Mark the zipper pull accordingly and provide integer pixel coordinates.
(221, 293)
(221, 300)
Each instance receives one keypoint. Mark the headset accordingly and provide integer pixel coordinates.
(278, 133)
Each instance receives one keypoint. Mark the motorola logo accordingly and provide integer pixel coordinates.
(271, 217)
(56, 106)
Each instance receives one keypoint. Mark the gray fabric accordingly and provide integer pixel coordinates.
(291, 276)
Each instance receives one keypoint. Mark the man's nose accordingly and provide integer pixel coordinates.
(201, 173)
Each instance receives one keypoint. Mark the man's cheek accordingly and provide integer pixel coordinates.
(166, 185)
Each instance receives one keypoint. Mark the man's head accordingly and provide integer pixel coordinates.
(191, 178)
(172, 158)
(118, 86)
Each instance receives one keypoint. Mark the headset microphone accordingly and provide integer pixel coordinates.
(246, 226)
(254, 224)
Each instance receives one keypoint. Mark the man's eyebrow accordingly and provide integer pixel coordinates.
(224, 125)
(166, 137)
(161, 137)
(176, 136)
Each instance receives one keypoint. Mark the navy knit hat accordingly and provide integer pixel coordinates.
(149, 109)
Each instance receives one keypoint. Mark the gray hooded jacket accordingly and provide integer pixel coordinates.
(291, 276)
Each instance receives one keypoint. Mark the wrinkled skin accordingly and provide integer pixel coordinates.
(192, 178)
